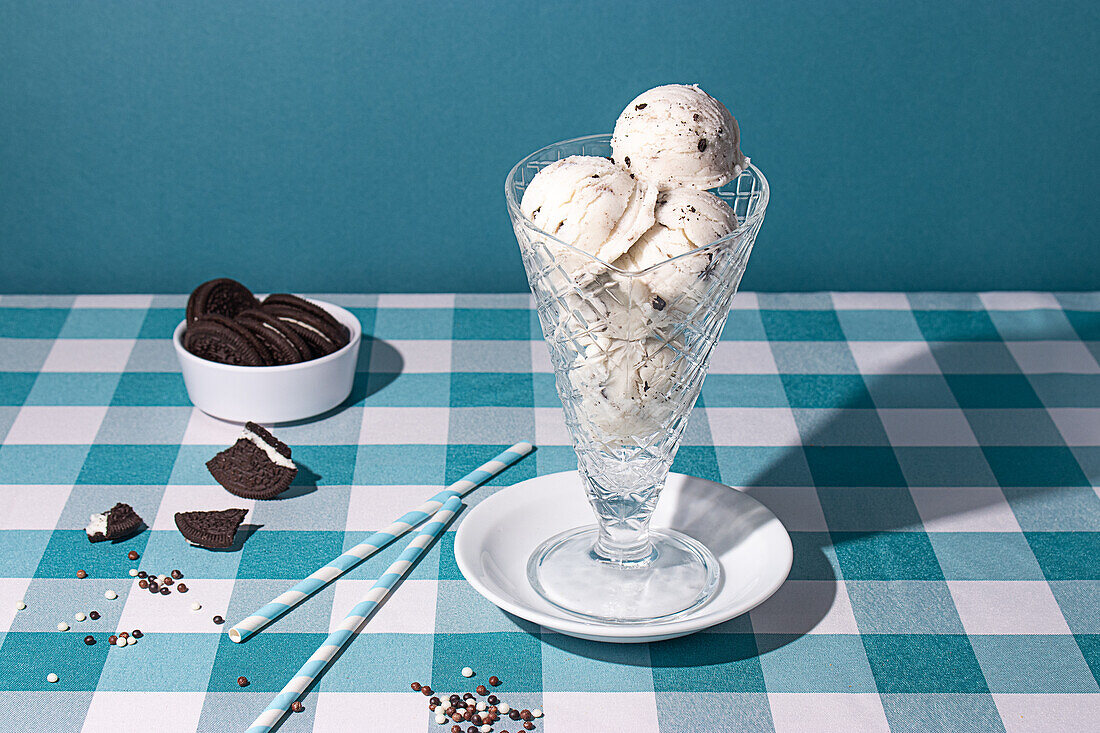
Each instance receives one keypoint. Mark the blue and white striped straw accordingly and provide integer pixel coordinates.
(325, 575)
(316, 664)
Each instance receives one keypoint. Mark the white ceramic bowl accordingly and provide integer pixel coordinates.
(276, 393)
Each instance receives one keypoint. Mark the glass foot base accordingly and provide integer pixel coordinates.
(679, 576)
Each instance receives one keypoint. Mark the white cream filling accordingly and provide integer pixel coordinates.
(273, 455)
(305, 326)
(98, 525)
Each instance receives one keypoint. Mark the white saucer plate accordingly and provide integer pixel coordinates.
(498, 535)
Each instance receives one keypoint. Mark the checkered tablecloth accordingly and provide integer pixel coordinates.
(935, 457)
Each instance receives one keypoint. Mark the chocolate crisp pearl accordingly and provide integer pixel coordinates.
(297, 707)
(177, 574)
(81, 574)
(132, 554)
(219, 620)
(165, 591)
(242, 681)
(93, 615)
(112, 639)
(481, 690)
(89, 640)
(494, 681)
(415, 686)
(137, 634)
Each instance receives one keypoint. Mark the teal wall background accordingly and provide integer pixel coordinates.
(362, 146)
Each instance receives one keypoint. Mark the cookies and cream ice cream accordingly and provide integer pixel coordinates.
(623, 384)
(686, 219)
(590, 203)
(678, 135)
(626, 313)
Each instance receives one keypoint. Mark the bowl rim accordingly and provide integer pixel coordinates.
(753, 220)
(341, 314)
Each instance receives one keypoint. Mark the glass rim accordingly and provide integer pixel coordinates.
(517, 214)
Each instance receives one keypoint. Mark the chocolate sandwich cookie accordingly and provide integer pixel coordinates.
(301, 304)
(216, 338)
(257, 466)
(118, 523)
(322, 337)
(210, 529)
(282, 341)
(223, 297)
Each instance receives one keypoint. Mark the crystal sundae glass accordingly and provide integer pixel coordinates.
(630, 351)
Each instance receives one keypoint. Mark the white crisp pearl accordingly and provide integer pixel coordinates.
(504, 707)
(537, 712)
(485, 728)
(80, 617)
(195, 606)
(133, 572)
(467, 672)
(482, 706)
(62, 626)
(51, 677)
(20, 605)
(440, 719)
(110, 595)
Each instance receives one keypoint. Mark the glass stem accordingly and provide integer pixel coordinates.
(623, 499)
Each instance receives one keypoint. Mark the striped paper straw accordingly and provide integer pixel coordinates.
(325, 575)
(316, 664)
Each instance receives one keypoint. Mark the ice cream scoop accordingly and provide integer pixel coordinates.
(624, 385)
(678, 134)
(592, 204)
(687, 218)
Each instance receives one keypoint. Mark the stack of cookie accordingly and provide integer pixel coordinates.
(226, 323)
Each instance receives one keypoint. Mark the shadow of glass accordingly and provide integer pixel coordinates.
(976, 387)
(693, 514)
(958, 459)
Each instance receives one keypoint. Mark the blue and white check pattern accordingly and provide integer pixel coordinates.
(936, 458)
